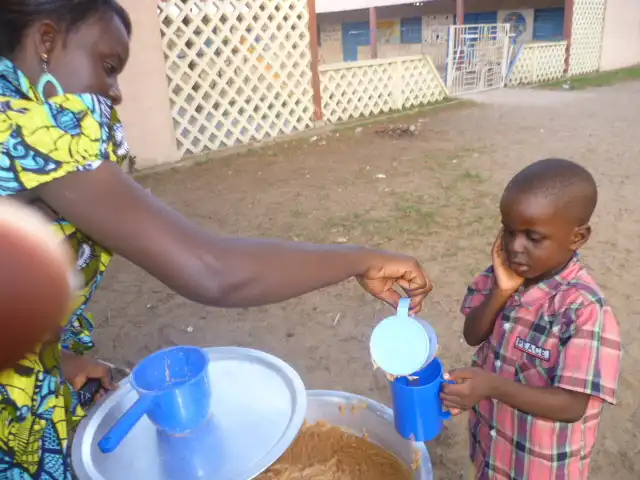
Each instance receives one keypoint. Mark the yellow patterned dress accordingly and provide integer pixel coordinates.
(40, 142)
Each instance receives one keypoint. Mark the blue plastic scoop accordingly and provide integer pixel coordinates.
(173, 390)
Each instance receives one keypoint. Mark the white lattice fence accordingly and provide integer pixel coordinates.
(370, 87)
(538, 63)
(238, 71)
(586, 36)
(437, 52)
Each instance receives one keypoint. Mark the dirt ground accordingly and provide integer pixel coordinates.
(433, 195)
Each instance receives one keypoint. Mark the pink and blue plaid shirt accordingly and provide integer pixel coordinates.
(559, 333)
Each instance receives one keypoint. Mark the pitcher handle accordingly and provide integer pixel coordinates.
(446, 414)
(403, 307)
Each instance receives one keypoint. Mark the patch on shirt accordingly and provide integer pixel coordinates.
(528, 347)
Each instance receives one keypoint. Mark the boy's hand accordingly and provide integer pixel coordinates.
(472, 385)
(506, 280)
(78, 369)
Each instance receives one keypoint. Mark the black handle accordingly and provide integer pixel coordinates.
(89, 390)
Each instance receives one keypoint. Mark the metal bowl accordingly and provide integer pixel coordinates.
(359, 415)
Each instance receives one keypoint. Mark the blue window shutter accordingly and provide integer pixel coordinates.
(548, 24)
(411, 30)
(482, 18)
(354, 35)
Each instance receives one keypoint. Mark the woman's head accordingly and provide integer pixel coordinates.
(83, 43)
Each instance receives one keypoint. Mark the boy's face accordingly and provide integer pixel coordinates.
(539, 237)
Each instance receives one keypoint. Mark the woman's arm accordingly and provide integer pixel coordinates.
(114, 210)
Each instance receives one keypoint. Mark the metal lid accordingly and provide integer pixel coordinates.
(258, 405)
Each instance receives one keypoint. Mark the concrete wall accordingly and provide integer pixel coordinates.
(621, 35)
(146, 111)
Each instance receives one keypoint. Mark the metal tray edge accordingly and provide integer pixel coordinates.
(297, 418)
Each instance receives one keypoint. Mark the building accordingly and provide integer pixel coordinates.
(598, 34)
(422, 27)
(621, 35)
(196, 83)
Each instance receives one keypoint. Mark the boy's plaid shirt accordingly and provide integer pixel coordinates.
(561, 334)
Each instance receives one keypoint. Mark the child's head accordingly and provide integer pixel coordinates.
(546, 209)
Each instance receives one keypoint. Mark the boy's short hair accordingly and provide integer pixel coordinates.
(569, 184)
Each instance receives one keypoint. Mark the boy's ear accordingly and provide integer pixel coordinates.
(580, 236)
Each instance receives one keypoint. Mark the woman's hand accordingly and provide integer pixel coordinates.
(78, 369)
(506, 279)
(385, 270)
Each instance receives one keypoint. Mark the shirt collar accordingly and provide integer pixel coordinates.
(547, 288)
(14, 83)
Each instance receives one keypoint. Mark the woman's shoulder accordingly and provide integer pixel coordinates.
(74, 115)
(42, 141)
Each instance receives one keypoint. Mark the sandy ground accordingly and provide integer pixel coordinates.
(438, 201)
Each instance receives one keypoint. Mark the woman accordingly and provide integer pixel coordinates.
(62, 146)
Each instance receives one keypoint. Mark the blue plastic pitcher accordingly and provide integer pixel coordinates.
(173, 390)
(417, 408)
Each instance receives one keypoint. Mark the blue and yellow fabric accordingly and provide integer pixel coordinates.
(41, 141)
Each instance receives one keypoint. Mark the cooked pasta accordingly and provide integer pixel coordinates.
(389, 376)
(325, 452)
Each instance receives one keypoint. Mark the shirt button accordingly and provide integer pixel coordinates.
(498, 364)
(507, 327)
(493, 433)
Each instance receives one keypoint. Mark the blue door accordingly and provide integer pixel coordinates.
(548, 24)
(354, 35)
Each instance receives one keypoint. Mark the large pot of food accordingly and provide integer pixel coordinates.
(258, 404)
(375, 451)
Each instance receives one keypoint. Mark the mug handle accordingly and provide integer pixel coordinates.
(446, 414)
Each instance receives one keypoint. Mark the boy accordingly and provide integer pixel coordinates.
(549, 346)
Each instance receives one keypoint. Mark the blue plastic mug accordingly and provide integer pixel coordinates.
(192, 454)
(173, 391)
(417, 409)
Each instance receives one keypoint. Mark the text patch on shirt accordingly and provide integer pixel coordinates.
(528, 347)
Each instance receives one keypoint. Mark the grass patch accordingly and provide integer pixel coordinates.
(358, 227)
(409, 115)
(599, 79)
(413, 215)
(470, 176)
(405, 217)
(451, 197)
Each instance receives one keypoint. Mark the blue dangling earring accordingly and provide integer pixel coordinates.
(46, 78)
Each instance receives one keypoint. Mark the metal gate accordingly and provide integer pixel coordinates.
(477, 57)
